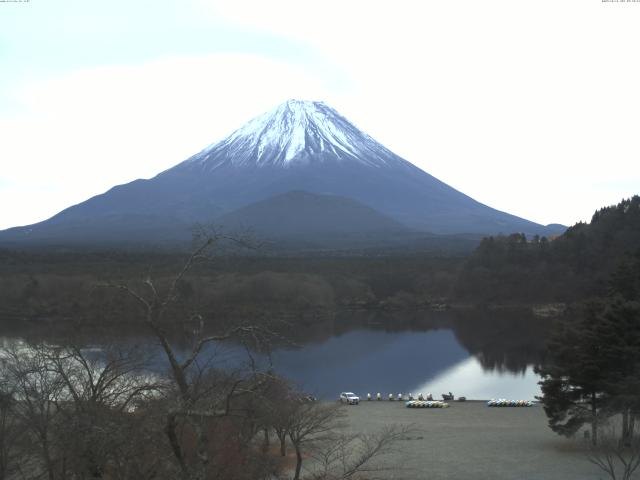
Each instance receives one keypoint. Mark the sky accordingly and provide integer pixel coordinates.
(531, 107)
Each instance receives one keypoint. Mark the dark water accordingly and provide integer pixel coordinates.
(479, 355)
(370, 361)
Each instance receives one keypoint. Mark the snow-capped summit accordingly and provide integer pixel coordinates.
(299, 170)
(296, 132)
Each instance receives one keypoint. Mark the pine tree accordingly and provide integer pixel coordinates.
(574, 378)
(593, 367)
(619, 329)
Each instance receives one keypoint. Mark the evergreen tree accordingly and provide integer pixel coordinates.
(593, 365)
(625, 281)
(619, 329)
(573, 378)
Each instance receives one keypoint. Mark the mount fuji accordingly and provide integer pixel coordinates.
(299, 170)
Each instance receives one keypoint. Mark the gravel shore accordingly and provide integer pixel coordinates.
(469, 440)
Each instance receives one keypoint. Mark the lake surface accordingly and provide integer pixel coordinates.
(370, 361)
(479, 356)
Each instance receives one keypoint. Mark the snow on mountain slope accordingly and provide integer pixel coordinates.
(290, 134)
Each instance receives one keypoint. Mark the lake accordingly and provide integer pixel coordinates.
(370, 361)
(479, 355)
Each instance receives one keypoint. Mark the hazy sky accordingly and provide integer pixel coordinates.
(532, 106)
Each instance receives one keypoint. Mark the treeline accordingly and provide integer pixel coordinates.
(54, 287)
(571, 267)
(511, 269)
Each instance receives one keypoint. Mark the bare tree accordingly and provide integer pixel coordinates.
(310, 424)
(76, 408)
(37, 392)
(198, 398)
(103, 415)
(354, 456)
(102, 390)
(280, 402)
(10, 431)
(617, 458)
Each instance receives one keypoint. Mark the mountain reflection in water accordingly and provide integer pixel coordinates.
(475, 354)
(370, 361)
(399, 362)
(469, 379)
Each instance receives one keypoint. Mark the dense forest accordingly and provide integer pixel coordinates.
(41, 286)
(44, 287)
(571, 267)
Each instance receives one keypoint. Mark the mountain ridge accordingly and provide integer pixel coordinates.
(298, 146)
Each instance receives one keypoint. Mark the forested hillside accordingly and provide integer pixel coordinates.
(570, 267)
